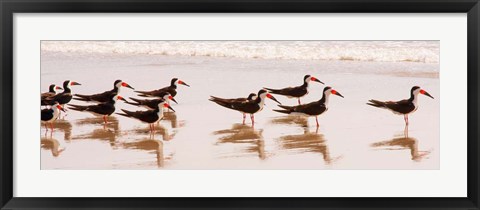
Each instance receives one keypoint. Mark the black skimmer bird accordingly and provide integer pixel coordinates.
(153, 103)
(402, 107)
(52, 90)
(103, 109)
(295, 92)
(172, 89)
(150, 116)
(250, 97)
(105, 96)
(247, 107)
(50, 115)
(311, 109)
(63, 97)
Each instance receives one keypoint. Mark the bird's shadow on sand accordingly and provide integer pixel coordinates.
(172, 118)
(309, 141)
(49, 143)
(245, 135)
(63, 126)
(106, 132)
(166, 134)
(403, 142)
(150, 145)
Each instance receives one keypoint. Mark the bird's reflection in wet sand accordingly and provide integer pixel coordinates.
(402, 142)
(291, 120)
(64, 126)
(159, 129)
(111, 124)
(108, 132)
(243, 134)
(153, 145)
(172, 117)
(307, 142)
(51, 144)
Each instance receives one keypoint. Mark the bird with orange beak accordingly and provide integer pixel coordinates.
(315, 108)
(50, 115)
(298, 91)
(402, 107)
(172, 89)
(247, 107)
(102, 109)
(63, 97)
(150, 116)
(52, 91)
(105, 96)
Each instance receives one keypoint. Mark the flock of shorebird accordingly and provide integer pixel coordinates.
(160, 100)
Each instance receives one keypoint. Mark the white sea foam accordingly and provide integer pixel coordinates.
(376, 51)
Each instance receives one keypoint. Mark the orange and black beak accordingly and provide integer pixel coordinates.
(316, 80)
(426, 93)
(168, 106)
(124, 84)
(121, 98)
(183, 83)
(60, 108)
(75, 83)
(273, 98)
(172, 99)
(336, 93)
(58, 88)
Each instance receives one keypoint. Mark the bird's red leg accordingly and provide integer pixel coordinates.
(407, 119)
(105, 119)
(153, 130)
(405, 132)
(244, 116)
(51, 126)
(252, 118)
(299, 101)
(46, 126)
(316, 118)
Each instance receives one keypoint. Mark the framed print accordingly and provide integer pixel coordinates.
(252, 105)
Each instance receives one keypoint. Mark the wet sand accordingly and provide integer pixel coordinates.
(203, 135)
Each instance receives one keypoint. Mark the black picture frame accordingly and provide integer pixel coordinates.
(10, 7)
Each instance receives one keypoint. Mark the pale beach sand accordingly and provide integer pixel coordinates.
(203, 135)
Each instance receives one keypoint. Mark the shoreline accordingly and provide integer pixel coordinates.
(203, 135)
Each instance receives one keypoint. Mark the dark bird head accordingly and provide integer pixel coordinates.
(118, 97)
(252, 96)
(264, 93)
(163, 104)
(176, 81)
(329, 90)
(309, 78)
(59, 107)
(69, 83)
(169, 97)
(119, 83)
(52, 88)
(416, 90)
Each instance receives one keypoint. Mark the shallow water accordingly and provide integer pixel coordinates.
(203, 135)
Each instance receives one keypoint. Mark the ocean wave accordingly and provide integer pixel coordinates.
(374, 51)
